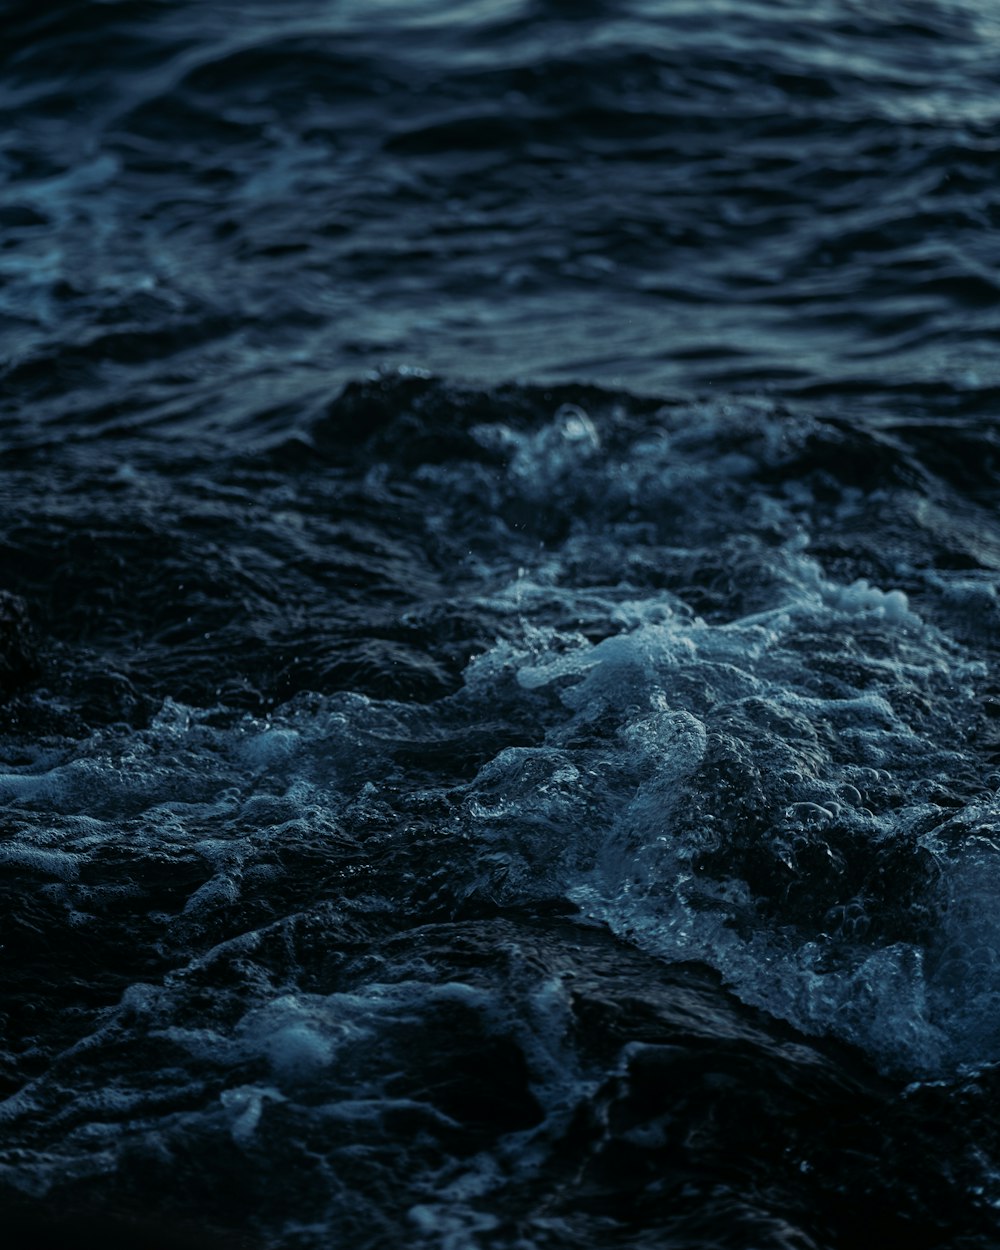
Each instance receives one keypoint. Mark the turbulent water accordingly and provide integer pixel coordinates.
(500, 737)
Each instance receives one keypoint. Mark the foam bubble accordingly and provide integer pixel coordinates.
(732, 782)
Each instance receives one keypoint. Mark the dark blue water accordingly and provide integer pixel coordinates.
(500, 729)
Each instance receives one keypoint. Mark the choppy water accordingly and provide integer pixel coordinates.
(498, 553)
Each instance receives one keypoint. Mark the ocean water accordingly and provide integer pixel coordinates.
(499, 611)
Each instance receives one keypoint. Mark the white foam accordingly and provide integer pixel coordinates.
(244, 1106)
(614, 836)
(59, 864)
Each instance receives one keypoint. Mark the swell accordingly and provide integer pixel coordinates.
(349, 522)
(813, 200)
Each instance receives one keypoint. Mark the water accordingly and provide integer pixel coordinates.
(498, 553)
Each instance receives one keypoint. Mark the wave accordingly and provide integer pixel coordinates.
(699, 686)
(555, 808)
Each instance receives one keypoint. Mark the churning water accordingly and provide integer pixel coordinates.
(498, 624)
